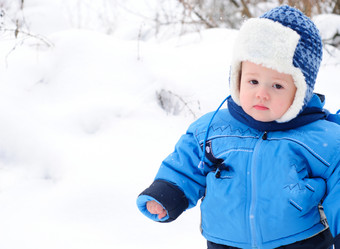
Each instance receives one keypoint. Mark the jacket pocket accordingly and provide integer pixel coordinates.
(222, 213)
(295, 212)
(306, 194)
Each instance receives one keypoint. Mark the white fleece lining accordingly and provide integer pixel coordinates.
(272, 45)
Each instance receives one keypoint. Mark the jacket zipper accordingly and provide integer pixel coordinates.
(252, 209)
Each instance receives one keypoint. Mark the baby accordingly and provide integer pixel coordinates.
(267, 169)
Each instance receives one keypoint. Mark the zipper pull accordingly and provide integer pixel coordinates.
(218, 173)
(265, 136)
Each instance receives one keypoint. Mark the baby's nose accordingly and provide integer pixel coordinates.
(262, 93)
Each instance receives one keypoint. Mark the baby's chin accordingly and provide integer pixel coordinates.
(262, 117)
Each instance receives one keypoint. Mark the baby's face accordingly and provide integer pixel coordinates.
(265, 94)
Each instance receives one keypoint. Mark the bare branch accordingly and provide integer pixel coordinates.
(173, 103)
(17, 31)
(245, 10)
(186, 5)
(336, 9)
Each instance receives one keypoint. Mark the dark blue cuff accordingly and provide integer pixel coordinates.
(337, 241)
(170, 196)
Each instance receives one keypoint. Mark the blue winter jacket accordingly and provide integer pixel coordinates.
(258, 189)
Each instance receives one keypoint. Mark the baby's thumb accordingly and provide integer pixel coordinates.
(156, 208)
(161, 212)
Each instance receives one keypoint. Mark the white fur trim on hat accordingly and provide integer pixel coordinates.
(272, 45)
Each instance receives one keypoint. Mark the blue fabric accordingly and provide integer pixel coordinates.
(314, 111)
(334, 118)
(269, 190)
(308, 53)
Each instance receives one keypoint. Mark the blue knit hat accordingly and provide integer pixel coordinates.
(283, 39)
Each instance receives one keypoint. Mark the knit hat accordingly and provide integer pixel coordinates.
(285, 40)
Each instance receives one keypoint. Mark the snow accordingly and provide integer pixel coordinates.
(82, 132)
(329, 25)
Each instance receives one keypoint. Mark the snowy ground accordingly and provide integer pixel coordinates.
(82, 132)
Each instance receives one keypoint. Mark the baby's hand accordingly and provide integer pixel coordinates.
(156, 208)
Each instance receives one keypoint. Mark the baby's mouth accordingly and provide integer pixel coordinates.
(261, 107)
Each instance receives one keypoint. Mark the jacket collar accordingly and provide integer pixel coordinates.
(313, 111)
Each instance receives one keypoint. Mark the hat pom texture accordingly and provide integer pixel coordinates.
(285, 40)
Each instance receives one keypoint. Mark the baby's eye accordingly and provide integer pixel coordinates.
(277, 86)
(253, 82)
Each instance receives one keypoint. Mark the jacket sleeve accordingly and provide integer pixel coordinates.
(331, 204)
(179, 183)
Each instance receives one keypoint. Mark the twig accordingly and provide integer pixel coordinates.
(191, 8)
(18, 31)
(163, 105)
